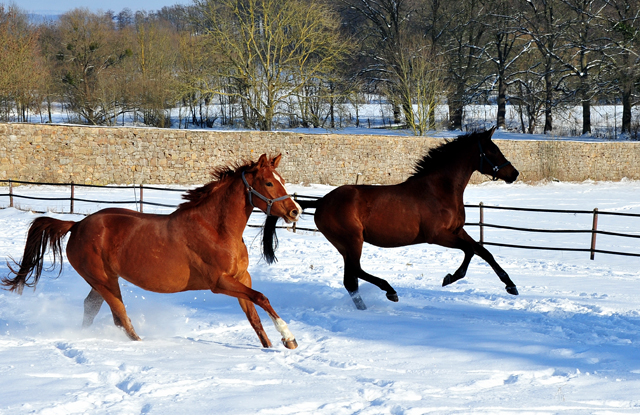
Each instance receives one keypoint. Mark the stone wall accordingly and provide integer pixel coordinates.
(102, 155)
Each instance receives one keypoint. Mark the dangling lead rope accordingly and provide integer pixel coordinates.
(268, 201)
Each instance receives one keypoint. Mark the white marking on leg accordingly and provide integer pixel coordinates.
(282, 328)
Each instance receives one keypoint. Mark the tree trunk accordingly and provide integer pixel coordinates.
(502, 103)
(586, 117)
(396, 114)
(627, 93)
(456, 109)
(548, 104)
(584, 97)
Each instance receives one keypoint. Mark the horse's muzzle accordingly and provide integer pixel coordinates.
(294, 214)
(512, 177)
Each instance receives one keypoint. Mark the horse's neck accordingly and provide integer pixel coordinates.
(227, 207)
(453, 176)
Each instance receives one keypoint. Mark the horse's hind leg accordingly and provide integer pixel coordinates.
(111, 294)
(92, 305)
(350, 282)
(353, 270)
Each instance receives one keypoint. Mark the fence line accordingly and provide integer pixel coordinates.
(594, 231)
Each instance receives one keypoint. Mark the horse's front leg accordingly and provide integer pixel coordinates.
(483, 253)
(251, 313)
(454, 241)
(228, 285)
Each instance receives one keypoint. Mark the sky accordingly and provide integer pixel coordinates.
(62, 6)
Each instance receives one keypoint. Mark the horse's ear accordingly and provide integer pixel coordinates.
(491, 131)
(263, 161)
(276, 161)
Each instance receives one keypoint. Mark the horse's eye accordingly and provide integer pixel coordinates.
(269, 184)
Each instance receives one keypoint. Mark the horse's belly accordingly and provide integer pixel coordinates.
(392, 235)
(160, 278)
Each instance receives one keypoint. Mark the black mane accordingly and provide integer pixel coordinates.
(441, 156)
(195, 196)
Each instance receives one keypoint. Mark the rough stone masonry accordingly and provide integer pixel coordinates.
(123, 155)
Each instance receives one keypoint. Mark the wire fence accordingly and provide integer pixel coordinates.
(140, 202)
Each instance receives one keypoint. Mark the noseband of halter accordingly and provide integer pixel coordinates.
(268, 201)
(494, 169)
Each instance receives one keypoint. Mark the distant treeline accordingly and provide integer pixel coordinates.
(263, 64)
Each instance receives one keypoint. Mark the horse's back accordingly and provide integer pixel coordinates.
(385, 216)
(136, 246)
(114, 222)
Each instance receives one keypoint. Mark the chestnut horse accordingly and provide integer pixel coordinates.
(197, 247)
(427, 207)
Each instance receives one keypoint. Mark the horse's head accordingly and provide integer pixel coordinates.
(267, 192)
(492, 161)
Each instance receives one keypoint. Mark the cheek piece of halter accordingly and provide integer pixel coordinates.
(268, 201)
(494, 168)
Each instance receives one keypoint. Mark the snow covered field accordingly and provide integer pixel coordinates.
(570, 343)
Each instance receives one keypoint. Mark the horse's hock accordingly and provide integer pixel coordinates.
(120, 155)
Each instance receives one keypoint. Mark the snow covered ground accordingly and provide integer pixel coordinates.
(570, 343)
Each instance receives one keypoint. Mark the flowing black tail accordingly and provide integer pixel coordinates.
(43, 234)
(269, 237)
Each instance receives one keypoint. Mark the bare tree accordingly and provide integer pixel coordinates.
(155, 52)
(581, 53)
(528, 91)
(197, 80)
(421, 86)
(22, 70)
(462, 51)
(544, 25)
(623, 57)
(270, 50)
(92, 52)
(387, 35)
(505, 45)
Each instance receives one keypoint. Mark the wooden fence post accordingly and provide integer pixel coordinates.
(141, 199)
(73, 194)
(594, 228)
(10, 193)
(481, 223)
(295, 198)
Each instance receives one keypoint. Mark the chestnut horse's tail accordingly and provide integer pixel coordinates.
(269, 237)
(44, 233)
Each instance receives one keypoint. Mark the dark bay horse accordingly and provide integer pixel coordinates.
(197, 247)
(427, 207)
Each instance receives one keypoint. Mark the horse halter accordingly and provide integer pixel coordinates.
(268, 201)
(494, 168)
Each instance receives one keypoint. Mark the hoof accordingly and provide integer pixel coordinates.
(447, 280)
(512, 290)
(357, 300)
(393, 297)
(290, 344)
